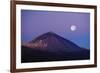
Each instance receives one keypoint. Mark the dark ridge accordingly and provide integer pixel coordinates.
(33, 55)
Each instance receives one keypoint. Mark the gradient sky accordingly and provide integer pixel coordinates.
(35, 23)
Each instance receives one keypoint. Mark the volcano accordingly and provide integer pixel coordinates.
(52, 47)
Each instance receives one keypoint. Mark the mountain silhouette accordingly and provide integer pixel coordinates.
(52, 47)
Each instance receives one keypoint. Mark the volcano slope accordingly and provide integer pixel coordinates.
(52, 47)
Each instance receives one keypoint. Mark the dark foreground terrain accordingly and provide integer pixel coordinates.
(33, 55)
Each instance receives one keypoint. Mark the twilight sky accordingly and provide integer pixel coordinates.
(35, 23)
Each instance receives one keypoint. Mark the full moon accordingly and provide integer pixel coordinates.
(73, 27)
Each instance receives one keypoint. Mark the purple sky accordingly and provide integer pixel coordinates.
(35, 23)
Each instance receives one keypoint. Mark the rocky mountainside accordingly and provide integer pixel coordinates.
(52, 47)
